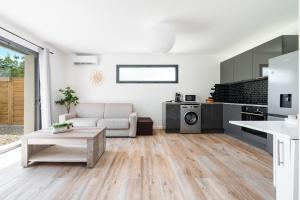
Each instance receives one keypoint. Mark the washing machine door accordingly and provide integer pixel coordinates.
(191, 118)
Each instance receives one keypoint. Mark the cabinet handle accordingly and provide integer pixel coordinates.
(280, 152)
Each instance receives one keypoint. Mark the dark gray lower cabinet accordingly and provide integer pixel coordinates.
(232, 113)
(270, 144)
(172, 117)
(254, 140)
(212, 118)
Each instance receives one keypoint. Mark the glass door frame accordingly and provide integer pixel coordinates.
(37, 107)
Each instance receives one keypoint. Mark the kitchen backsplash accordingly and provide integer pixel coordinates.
(250, 92)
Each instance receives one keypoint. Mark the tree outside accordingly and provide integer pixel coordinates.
(12, 66)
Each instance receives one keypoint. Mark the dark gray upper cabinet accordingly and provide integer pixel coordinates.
(227, 68)
(263, 53)
(243, 66)
(250, 64)
(289, 43)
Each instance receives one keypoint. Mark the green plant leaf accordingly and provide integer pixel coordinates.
(68, 98)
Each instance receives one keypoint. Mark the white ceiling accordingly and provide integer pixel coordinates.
(114, 26)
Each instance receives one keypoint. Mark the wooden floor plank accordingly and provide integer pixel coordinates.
(163, 166)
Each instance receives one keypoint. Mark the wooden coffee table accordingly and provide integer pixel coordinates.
(79, 145)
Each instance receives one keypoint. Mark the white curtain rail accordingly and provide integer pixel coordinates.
(24, 39)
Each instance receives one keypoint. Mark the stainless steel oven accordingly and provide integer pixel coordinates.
(254, 113)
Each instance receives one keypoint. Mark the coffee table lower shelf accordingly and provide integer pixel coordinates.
(79, 145)
(59, 153)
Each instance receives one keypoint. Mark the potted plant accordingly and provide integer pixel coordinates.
(69, 98)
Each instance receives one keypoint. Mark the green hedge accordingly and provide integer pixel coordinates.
(12, 67)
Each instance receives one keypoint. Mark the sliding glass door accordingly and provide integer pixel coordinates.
(18, 92)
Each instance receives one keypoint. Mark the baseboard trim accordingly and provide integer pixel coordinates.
(157, 127)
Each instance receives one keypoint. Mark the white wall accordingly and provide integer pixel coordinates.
(57, 60)
(197, 74)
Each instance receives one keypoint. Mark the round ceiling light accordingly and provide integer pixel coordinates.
(160, 38)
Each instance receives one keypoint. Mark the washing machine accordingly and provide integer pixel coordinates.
(190, 118)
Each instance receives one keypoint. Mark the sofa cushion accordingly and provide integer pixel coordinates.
(90, 110)
(114, 123)
(91, 122)
(118, 110)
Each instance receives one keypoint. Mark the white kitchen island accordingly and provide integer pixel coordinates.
(285, 155)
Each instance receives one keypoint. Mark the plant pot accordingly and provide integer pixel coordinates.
(60, 130)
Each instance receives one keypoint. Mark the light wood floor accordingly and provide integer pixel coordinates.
(165, 166)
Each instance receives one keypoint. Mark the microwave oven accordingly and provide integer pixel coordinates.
(190, 97)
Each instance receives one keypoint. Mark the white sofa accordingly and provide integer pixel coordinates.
(118, 118)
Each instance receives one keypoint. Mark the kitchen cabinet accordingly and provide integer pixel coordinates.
(243, 66)
(286, 165)
(263, 53)
(289, 43)
(250, 64)
(171, 117)
(276, 47)
(227, 70)
(211, 118)
(232, 113)
(254, 140)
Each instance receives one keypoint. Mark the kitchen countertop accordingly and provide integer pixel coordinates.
(280, 128)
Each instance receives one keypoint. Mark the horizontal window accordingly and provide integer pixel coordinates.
(147, 73)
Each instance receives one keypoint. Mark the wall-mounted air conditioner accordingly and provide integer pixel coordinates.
(85, 59)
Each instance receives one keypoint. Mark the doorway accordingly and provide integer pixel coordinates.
(18, 93)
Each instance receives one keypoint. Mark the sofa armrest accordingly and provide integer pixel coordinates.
(132, 124)
(67, 116)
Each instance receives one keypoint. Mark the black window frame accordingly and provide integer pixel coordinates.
(147, 66)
